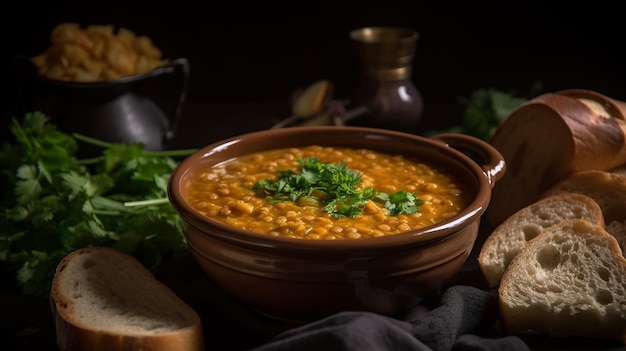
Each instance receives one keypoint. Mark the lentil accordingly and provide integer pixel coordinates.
(224, 193)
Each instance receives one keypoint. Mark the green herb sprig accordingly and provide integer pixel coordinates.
(54, 203)
(487, 108)
(335, 186)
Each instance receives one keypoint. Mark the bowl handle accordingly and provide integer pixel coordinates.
(481, 152)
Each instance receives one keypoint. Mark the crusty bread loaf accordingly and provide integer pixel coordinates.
(506, 240)
(608, 189)
(570, 280)
(603, 104)
(103, 299)
(549, 137)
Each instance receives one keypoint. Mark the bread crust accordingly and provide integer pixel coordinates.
(608, 189)
(600, 138)
(72, 334)
(549, 137)
(594, 302)
(613, 107)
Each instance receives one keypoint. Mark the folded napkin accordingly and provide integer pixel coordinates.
(457, 320)
(461, 317)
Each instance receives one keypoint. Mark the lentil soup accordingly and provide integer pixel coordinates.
(225, 193)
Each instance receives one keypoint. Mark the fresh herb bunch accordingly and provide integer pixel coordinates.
(54, 203)
(335, 186)
(487, 108)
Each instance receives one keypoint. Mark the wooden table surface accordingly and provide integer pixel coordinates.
(26, 322)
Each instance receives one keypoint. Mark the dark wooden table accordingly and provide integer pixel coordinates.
(26, 322)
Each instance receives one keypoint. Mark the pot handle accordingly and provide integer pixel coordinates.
(481, 152)
(180, 66)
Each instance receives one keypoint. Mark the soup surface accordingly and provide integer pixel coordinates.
(226, 193)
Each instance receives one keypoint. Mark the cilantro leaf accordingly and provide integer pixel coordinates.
(54, 203)
(486, 109)
(401, 202)
(335, 186)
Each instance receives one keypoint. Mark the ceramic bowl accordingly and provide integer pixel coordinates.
(302, 280)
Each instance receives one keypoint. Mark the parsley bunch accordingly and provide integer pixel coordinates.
(54, 203)
(487, 108)
(333, 185)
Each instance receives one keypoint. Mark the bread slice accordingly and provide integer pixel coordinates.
(103, 299)
(621, 169)
(506, 240)
(570, 280)
(549, 137)
(608, 189)
(618, 230)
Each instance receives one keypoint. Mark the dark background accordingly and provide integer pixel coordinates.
(259, 52)
(241, 53)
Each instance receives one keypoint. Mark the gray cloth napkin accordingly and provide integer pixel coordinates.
(452, 322)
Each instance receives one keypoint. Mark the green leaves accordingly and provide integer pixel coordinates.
(27, 187)
(335, 186)
(487, 108)
(38, 140)
(400, 202)
(54, 203)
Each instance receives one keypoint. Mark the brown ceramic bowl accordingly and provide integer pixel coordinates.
(299, 279)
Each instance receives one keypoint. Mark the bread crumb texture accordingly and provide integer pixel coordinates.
(569, 280)
(572, 275)
(108, 293)
(506, 240)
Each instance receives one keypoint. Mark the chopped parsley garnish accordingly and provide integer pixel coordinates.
(400, 202)
(334, 186)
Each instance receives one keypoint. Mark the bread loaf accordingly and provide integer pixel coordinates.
(570, 280)
(506, 240)
(103, 299)
(603, 104)
(551, 136)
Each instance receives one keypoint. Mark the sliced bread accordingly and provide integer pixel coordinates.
(103, 299)
(608, 189)
(549, 137)
(570, 280)
(507, 239)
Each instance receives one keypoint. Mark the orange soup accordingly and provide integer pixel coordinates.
(229, 193)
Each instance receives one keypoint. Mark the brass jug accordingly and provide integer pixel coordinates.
(384, 58)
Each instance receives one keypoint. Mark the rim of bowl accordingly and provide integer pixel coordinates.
(438, 231)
